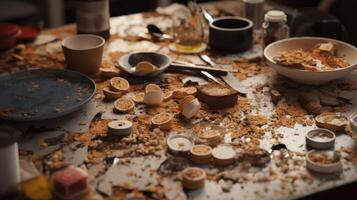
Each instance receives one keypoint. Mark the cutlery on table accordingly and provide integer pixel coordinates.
(229, 78)
(198, 68)
(204, 72)
(156, 32)
(206, 15)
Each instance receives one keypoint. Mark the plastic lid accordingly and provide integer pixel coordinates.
(7, 29)
(28, 32)
(275, 16)
(8, 135)
(253, 1)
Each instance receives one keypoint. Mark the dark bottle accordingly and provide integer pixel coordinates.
(92, 17)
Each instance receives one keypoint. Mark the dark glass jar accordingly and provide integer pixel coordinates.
(92, 17)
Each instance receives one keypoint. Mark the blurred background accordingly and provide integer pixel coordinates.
(333, 18)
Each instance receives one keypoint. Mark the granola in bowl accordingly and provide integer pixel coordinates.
(322, 57)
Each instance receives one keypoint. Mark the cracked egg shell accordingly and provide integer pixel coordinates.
(152, 87)
(110, 94)
(183, 92)
(332, 121)
(138, 97)
(123, 105)
(110, 72)
(167, 94)
(162, 120)
(213, 137)
(145, 68)
(119, 84)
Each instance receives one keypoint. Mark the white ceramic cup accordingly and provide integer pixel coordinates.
(10, 164)
(153, 97)
(191, 108)
(83, 53)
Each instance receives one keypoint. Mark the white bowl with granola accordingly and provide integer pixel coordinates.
(311, 60)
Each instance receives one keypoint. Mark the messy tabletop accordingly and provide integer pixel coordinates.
(258, 142)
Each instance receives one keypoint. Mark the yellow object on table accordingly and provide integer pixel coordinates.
(37, 189)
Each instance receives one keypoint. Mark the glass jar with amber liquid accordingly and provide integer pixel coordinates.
(92, 17)
(188, 28)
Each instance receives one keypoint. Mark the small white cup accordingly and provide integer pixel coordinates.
(154, 97)
(10, 164)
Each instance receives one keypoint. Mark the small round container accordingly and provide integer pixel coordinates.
(162, 120)
(179, 144)
(110, 94)
(223, 155)
(353, 122)
(119, 84)
(9, 34)
(231, 34)
(193, 178)
(325, 161)
(123, 105)
(201, 154)
(320, 138)
(120, 128)
(190, 106)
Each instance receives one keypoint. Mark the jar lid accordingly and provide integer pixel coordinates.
(7, 29)
(28, 32)
(253, 1)
(275, 16)
(8, 135)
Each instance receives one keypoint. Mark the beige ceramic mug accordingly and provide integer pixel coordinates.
(83, 53)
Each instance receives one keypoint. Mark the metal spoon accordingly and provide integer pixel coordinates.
(156, 32)
(207, 74)
(231, 80)
(206, 15)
